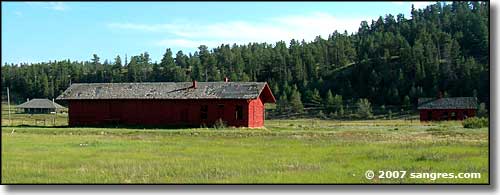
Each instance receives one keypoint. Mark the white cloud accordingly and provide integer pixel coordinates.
(191, 34)
(142, 27)
(421, 4)
(416, 4)
(56, 6)
(18, 13)
(186, 43)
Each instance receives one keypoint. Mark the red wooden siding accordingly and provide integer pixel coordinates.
(238, 112)
(165, 112)
(446, 114)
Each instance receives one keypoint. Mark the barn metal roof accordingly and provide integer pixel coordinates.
(164, 90)
(448, 103)
(40, 103)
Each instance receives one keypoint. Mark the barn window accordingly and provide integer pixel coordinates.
(204, 112)
(444, 116)
(239, 112)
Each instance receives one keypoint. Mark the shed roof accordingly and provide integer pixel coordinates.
(167, 90)
(40, 103)
(447, 103)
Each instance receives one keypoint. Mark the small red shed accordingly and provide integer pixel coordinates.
(168, 103)
(454, 108)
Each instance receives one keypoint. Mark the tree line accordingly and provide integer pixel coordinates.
(392, 61)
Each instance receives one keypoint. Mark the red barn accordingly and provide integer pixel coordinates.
(456, 108)
(170, 103)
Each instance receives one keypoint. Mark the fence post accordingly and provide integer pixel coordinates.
(8, 102)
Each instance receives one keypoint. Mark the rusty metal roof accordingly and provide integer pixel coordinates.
(163, 90)
(40, 103)
(448, 103)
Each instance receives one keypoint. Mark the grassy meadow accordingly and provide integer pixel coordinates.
(285, 151)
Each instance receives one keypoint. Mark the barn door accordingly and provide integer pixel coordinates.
(220, 111)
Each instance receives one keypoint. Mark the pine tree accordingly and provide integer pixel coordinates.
(167, 65)
(45, 86)
(337, 102)
(442, 48)
(133, 70)
(181, 59)
(482, 111)
(406, 103)
(295, 102)
(282, 104)
(116, 70)
(329, 101)
(316, 98)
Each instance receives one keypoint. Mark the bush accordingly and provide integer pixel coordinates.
(321, 115)
(220, 124)
(364, 109)
(332, 115)
(475, 122)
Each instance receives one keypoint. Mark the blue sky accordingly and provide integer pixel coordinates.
(43, 31)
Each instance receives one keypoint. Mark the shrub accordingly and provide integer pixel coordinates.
(203, 125)
(220, 124)
(364, 109)
(321, 115)
(332, 115)
(475, 122)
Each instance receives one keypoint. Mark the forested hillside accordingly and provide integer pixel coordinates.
(390, 61)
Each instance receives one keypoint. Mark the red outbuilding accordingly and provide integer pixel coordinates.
(169, 103)
(455, 108)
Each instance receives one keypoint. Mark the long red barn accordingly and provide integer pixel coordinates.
(169, 103)
(453, 108)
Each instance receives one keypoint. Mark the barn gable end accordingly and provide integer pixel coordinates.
(266, 95)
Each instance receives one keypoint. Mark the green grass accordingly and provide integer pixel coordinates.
(286, 151)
